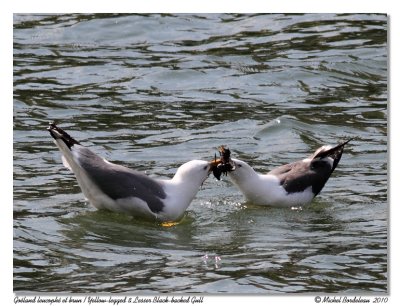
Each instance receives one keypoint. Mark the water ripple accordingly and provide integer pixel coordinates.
(153, 91)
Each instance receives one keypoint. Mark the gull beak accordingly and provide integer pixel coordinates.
(214, 167)
(214, 162)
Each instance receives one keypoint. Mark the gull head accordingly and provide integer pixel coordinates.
(195, 170)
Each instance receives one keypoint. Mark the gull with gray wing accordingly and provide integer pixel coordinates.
(117, 188)
(294, 184)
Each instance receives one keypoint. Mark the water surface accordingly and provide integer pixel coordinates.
(154, 91)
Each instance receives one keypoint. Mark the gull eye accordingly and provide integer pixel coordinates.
(205, 167)
(239, 165)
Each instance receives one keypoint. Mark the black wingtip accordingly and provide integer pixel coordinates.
(341, 145)
(345, 142)
(58, 133)
(335, 153)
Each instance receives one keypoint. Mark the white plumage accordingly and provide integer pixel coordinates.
(117, 188)
(294, 184)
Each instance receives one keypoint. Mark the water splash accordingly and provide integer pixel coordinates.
(215, 259)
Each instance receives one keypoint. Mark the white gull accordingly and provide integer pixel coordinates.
(117, 188)
(294, 184)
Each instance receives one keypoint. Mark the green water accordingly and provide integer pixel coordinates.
(154, 91)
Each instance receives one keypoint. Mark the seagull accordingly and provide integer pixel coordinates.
(113, 187)
(291, 185)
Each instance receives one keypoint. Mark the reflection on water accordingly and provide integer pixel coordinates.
(154, 91)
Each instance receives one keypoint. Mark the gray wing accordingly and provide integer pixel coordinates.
(119, 182)
(298, 176)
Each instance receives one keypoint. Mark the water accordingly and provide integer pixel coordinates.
(154, 91)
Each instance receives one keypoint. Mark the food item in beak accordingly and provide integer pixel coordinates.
(223, 164)
(214, 167)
